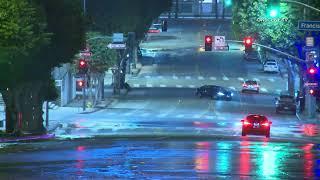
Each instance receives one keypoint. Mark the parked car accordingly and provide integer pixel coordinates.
(271, 66)
(214, 92)
(287, 103)
(256, 124)
(250, 85)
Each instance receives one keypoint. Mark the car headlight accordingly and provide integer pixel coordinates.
(231, 94)
(220, 93)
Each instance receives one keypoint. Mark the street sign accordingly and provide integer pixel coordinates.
(309, 84)
(219, 41)
(117, 38)
(309, 25)
(85, 53)
(116, 46)
(310, 41)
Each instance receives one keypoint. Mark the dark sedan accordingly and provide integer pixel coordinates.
(214, 92)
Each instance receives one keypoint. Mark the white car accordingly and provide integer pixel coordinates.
(250, 85)
(270, 66)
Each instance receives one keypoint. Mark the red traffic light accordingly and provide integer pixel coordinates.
(311, 91)
(208, 39)
(80, 83)
(82, 63)
(248, 41)
(312, 70)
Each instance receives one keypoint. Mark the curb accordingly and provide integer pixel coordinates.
(27, 138)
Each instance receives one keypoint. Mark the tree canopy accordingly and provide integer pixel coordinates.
(250, 19)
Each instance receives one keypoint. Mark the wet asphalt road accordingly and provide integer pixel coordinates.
(231, 158)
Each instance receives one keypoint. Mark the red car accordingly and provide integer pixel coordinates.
(256, 124)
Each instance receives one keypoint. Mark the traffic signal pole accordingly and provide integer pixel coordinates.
(84, 92)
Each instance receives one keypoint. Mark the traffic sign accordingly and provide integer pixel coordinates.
(85, 53)
(116, 46)
(309, 84)
(219, 41)
(310, 41)
(117, 38)
(309, 25)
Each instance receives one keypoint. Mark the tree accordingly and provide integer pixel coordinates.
(250, 19)
(34, 39)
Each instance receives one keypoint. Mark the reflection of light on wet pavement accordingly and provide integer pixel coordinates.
(202, 156)
(310, 129)
(308, 158)
(245, 165)
(223, 157)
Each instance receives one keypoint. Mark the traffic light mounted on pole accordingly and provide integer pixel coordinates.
(248, 41)
(83, 66)
(208, 43)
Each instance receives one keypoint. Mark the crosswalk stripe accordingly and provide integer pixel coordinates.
(188, 77)
(213, 78)
(209, 117)
(225, 78)
(160, 77)
(191, 86)
(162, 115)
(149, 85)
(271, 79)
(233, 88)
(200, 77)
(175, 77)
(197, 116)
(179, 86)
(180, 116)
(163, 85)
(148, 77)
(264, 90)
(145, 114)
(136, 85)
(240, 79)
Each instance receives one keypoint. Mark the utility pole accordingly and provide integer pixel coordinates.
(84, 7)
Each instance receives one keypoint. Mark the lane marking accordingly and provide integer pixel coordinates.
(136, 85)
(264, 90)
(147, 77)
(225, 78)
(149, 85)
(233, 88)
(240, 79)
(191, 86)
(175, 77)
(200, 77)
(160, 77)
(179, 86)
(163, 85)
(213, 78)
(188, 77)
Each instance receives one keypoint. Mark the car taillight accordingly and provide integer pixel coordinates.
(256, 85)
(245, 122)
(267, 124)
(244, 85)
